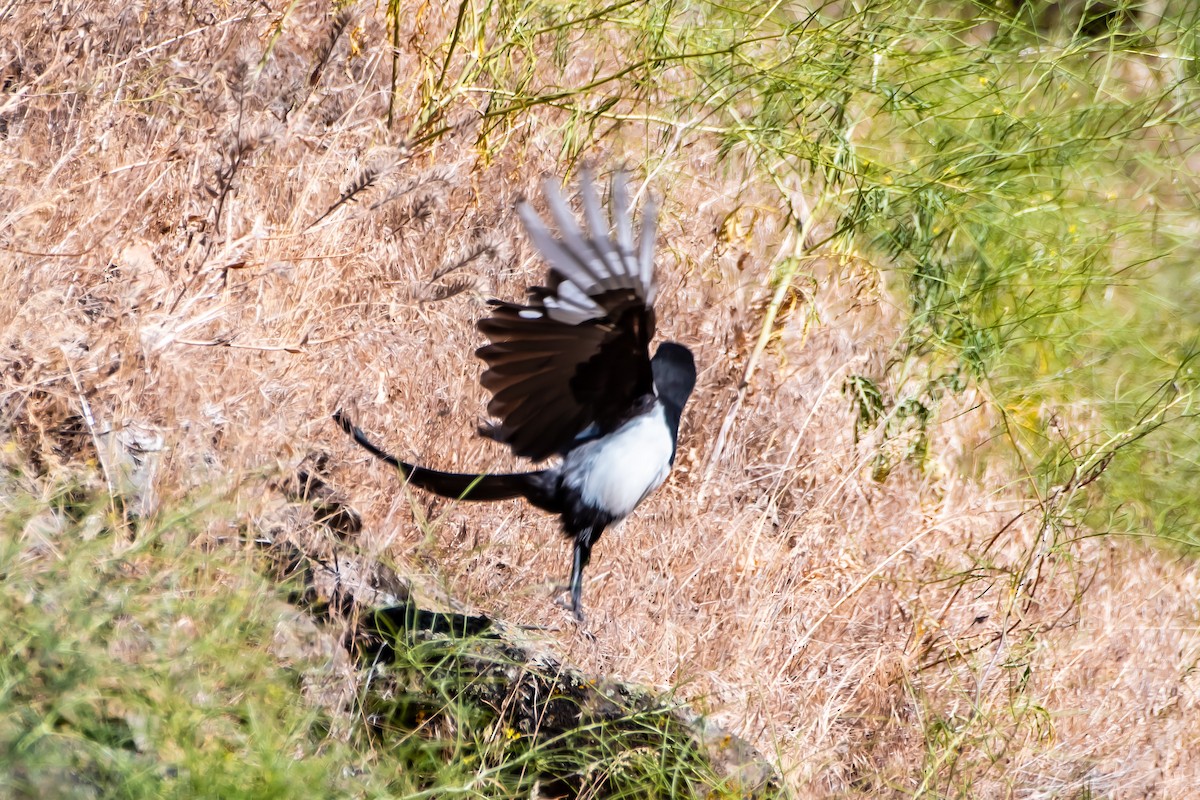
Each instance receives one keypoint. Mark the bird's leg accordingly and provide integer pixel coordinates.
(580, 557)
(583, 537)
(582, 554)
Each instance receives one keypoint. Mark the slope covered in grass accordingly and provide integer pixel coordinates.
(934, 260)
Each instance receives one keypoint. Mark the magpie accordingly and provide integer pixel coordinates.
(571, 378)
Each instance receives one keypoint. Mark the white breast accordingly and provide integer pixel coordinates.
(617, 472)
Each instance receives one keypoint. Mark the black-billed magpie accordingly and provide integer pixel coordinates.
(571, 375)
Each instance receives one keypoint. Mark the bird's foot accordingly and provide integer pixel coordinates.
(566, 604)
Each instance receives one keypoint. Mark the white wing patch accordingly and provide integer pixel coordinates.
(571, 305)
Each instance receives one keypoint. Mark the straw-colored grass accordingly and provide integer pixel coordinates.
(209, 230)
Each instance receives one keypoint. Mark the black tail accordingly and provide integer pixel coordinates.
(458, 485)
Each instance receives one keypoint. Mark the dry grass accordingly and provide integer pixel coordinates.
(199, 239)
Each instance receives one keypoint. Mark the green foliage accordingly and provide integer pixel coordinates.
(1035, 207)
(135, 666)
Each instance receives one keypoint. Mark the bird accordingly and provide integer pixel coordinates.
(572, 378)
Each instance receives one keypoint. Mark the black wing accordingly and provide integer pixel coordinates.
(578, 354)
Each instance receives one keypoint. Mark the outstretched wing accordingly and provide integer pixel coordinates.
(577, 356)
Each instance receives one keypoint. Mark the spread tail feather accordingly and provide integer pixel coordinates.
(533, 486)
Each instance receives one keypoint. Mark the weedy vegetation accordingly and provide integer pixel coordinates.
(932, 526)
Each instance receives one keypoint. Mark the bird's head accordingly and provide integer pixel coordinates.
(674, 373)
